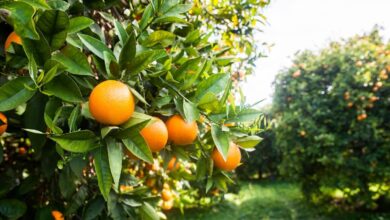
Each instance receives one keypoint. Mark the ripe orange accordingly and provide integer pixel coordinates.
(167, 205)
(12, 38)
(181, 132)
(57, 215)
(22, 151)
(166, 195)
(232, 161)
(4, 126)
(111, 102)
(173, 165)
(155, 135)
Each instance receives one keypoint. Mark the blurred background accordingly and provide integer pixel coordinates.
(295, 25)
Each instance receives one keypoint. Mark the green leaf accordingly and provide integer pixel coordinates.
(121, 32)
(58, 4)
(246, 115)
(54, 26)
(107, 130)
(79, 23)
(64, 88)
(146, 17)
(21, 15)
(12, 208)
(190, 67)
(112, 67)
(191, 112)
(148, 212)
(52, 106)
(249, 141)
(94, 45)
(137, 146)
(136, 119)
(138, 96)
(66, 184)
(221, 140)
(143, 59)
(14, 93)
(37, 51)
(77, 164)
(115, 156)
(73, 60)
(165, 38)
(50, 74)
(73, 118)
(102, 169)
(170, 19)
(214, 85)
(128, 51)
(33, 119)
(94, 208)
(192, 37)
(78, 142)
(41, 4)
(175, 10)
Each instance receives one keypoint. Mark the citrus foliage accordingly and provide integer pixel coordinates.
(87, 154)
(333, 121)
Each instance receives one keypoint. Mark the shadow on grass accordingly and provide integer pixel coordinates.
(269, 200)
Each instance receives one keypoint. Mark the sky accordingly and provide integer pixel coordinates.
(295, 25)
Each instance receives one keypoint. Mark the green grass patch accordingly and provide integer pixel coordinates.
(270, 200)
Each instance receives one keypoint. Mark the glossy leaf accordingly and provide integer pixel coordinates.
(64, 88)
(21, 15)
(221, 140)
(54, 25)
(115, 155)
(164, 38)
(94, 45)
(14, 93)
(143, 59)
(73, 60)
(79, 23)
(78, 141)
(102, 169)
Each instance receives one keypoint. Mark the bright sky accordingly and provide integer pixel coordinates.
(309, 24)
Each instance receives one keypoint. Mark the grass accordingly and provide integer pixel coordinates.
(276, 200)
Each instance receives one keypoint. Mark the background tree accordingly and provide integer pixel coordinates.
(333, 123)
(65, 155)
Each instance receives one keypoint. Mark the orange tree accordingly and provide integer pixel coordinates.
(116, 109)
(333, 122)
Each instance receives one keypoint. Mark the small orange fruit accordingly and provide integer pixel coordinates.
(155, 135)
(22, 151)
(232, 161)
(111, 102)
(57, 215)
(173, 164)
(166, 195)
(296, 74)
(12, 38)
(167, 205)
(151, 182)
(181, 132)
(4, 125)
